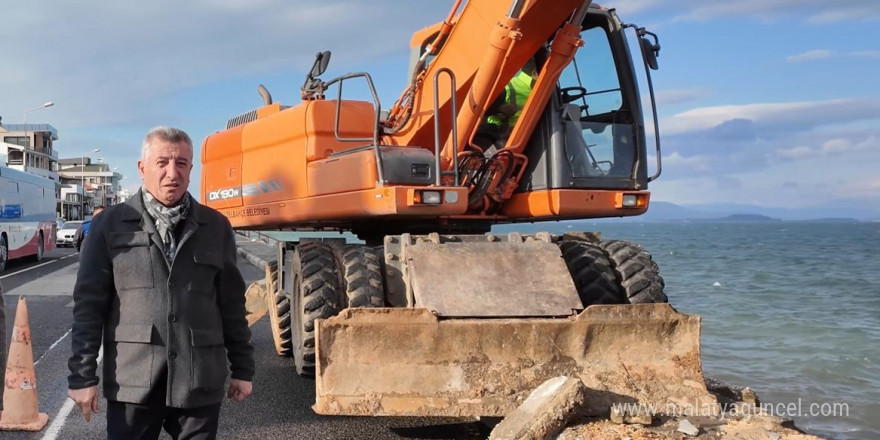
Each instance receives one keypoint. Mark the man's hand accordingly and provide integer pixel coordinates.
(86, 399)
(239, 389)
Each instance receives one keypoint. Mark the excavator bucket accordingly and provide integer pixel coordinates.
(407, 361)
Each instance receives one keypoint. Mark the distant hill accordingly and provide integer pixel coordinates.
(837, 220)
(660, 211)
(745, 218)
(809, 213)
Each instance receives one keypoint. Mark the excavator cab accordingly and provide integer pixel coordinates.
(591, 133)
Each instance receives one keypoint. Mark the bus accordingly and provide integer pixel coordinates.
(27, 215)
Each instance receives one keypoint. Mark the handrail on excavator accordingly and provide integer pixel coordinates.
(377, 110)
(437, 144)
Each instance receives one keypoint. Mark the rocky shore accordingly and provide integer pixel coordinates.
(551, 412)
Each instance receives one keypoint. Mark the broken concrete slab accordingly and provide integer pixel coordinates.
(545, 412)
(685, 426)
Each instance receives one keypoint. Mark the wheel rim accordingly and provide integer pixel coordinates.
(296, 322)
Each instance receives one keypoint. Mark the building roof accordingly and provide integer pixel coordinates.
(98, 168)
(45, 128)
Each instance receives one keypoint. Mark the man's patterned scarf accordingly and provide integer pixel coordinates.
(167, 219)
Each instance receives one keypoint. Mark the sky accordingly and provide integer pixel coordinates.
(762, 102)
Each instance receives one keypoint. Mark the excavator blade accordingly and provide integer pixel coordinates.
(407, 361)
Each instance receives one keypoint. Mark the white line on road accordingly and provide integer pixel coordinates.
(51, 347)
(34, 267)
(58, 423)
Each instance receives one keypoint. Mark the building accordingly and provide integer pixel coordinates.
(29, 148)
(80, 184)
(85, 185)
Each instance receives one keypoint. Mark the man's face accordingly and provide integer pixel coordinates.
(166, 169)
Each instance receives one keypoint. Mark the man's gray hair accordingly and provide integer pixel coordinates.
(168, 134)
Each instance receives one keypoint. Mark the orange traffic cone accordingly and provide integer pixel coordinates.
(20, 412)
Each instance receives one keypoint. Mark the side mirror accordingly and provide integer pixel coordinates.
(322, 59)
(650, 49)
(313, 87)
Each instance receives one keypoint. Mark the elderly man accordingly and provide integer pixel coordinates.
(159, 286)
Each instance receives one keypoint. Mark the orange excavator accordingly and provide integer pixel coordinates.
(515, 111)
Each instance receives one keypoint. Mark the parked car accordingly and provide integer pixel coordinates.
(66, 234)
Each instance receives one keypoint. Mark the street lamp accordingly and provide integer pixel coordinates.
(48, 104)
(82, 180)
(28, 146)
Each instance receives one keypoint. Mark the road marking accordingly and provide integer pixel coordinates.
(51, 347)
(34, 267)
(58, 423)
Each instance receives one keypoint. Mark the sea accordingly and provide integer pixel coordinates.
(789, 309)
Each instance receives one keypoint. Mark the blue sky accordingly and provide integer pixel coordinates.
(766, 102)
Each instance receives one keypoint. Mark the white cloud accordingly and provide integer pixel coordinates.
(800, 152)
(812, 55)
(105, 62)
(786, 115)
(821, 54)
(693, 163)
(868, 186)
(840, 145)
(831, 146)
(678, 96)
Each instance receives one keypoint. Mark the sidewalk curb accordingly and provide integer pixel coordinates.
(254, 259)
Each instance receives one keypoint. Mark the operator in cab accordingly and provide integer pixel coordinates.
(502, 115)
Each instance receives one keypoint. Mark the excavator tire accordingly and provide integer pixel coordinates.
(315, 295)
(636, 271)
(593, 275)
(363, 276)
(281, 311)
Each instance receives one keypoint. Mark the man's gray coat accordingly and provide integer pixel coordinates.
(189, 316)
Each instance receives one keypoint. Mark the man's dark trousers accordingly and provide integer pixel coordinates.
(132, 421)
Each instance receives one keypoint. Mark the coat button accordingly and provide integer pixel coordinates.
(172, 318)
(172, 355)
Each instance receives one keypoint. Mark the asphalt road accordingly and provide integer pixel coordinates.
(279, 408)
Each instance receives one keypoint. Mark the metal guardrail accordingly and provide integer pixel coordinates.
(258, 235)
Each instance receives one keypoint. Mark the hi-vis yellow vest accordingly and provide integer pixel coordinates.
(516, 93)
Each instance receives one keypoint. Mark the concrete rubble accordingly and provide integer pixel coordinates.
(685, 426)
(545, 412)
(558, 402)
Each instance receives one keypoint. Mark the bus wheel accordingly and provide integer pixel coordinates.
(4, 253)
(40, 248)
